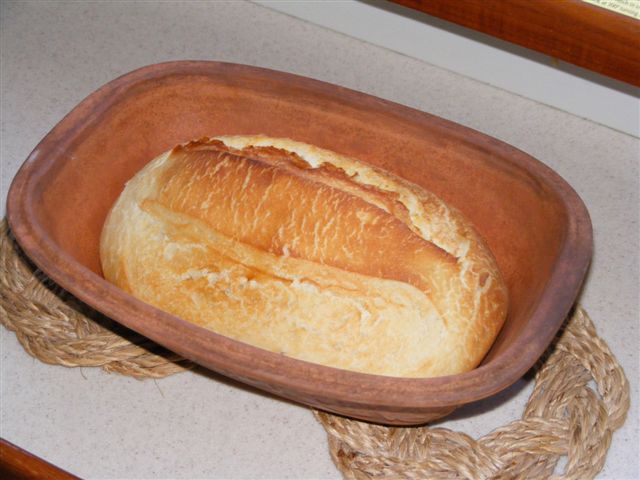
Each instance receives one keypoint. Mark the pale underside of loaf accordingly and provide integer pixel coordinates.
(307, 253)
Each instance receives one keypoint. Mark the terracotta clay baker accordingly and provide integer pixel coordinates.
(535, 224)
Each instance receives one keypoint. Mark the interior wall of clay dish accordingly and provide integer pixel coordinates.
(519, 215)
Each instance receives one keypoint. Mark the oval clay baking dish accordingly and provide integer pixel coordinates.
(537, 227)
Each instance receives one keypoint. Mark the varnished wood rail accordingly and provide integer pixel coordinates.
(18, 464)
(574, 31)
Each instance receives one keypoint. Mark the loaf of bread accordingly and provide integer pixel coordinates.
(307, 253)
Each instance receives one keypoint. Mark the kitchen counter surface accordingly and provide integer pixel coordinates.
(191, 425)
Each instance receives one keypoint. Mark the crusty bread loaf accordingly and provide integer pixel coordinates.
(307, 253)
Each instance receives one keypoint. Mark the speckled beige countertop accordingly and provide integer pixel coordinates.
(191, 425)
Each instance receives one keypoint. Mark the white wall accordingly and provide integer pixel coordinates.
(484, 58)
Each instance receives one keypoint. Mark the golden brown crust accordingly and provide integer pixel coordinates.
(301, 251)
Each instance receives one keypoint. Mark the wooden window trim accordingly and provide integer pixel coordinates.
(574, 31)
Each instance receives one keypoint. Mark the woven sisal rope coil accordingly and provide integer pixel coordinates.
(564, 417)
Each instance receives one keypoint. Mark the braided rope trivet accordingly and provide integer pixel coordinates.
(563, 417)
